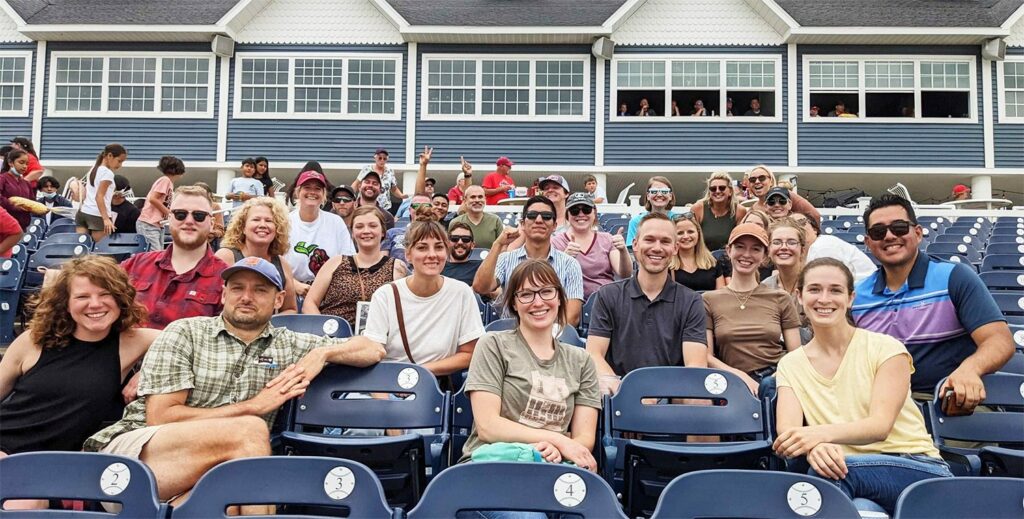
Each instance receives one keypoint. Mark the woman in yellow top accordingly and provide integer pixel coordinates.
(852, 389)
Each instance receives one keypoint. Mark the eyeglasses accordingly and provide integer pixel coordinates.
(717, 189)
(775, 200)
(788, 243)
(547, 216)
(416, 205)
(758, 180)
(577, 209)
(527, 296)
(659, 191)
(342, 199)
(898, 228)
(181, 214)
(463, 239)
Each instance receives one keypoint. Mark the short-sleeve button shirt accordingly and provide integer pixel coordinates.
(170, 296)
(569, 272)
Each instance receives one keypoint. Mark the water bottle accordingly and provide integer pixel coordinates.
(512, 193)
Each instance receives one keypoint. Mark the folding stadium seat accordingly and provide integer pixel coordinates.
(50, 255)
(82, 476)
(460, 424)
(767, 495)
(1008, 231)
(479, 254)
(39, 231)
(1003, 280)
(501, 325)
(1011, 304)
(1002, 262)
(1008, 224)
(957, 498)
(37, 221)
(323, 325)
(527, 487)
(572, 337)
(61, 228)
(121, 245)
(1005, 238)
(30, 242)
(585, 314)
(20, 253)
(857, 228)
(297, 482)
(1004, 248)
(1001, 426)
(613, 226)
(487, 312)
(934, 223)
(978, 234)
(651, 463)
(1014, 366)
(10, 284)
(850, 237)
(845, 221)
(401, 461)
(965, 251)
(73, 238)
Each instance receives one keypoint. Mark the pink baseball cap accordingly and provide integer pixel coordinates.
(306, 176)
(504, 161)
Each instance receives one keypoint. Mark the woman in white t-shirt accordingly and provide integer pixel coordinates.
(316, 235)
(437, 322)
(94, 216)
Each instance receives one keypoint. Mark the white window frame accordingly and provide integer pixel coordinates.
(723, 88)
(157, 112)
(26, 88)
(861, 91)
(479, 88)
(1001, 75)
(290, 113)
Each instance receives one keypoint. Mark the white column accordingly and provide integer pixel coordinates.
(602, 181)
(409, 181)
(792, 102)
(599, 117)
(224, 177)
(981, 187)
(410, 110)
(986, 116)
(222, 110)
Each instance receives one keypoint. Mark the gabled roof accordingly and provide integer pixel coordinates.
(900, 13)
(122, 12)
(506, 13)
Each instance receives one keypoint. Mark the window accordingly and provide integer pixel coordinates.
(1011, 85)
(891, 88)
(142, 84)
(320, 86)
(711, 86)
(505, 88)
(14, 83)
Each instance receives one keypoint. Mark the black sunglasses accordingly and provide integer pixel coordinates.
(463, 239)
(898, 228)
(181, 214)
(547, 216)
(342, 199)
(775, 200)
(716, 189)
(577, 209)
(758, 180)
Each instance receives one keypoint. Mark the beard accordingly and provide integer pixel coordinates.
(200, 240)
(245, 322)
(461, 256)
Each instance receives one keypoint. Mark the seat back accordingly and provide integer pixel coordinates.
(501, 325)
(765, 495)
(123, 242)
(461, 424)
(1010, 303)
(10, 284)
(1008, 231)
(487, 312)
(570, 336)
(61, 228)
(533, 487)
(955, 498)
(80, 475)
(323, 325)
(1003, 262)
(30, 242)
(1005, 248)
(1001, 389)
(50, 255)
(956, 238)
(68, 237)
(1005, 238)
(961, 249)
(1003, 280)
(287, 480)
(20, 253)
(585, 314)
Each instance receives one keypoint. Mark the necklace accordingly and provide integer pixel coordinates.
(741, 301)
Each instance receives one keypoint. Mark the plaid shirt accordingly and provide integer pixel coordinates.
(170, 296)
(200, 355)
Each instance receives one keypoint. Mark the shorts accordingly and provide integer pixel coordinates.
(131, 443)
(93, 223)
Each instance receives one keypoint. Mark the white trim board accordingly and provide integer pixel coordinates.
(1001, 89)
(26, 84)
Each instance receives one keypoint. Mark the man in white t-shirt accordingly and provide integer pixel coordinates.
(316, 235)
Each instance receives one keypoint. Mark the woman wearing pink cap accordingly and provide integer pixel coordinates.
(316, 235)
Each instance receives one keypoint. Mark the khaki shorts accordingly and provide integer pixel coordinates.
(93, 223)
(131, 443)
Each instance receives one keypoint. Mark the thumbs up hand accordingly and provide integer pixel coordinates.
(618, 240)
(572, 248)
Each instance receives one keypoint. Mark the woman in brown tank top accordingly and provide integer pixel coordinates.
(346, 280)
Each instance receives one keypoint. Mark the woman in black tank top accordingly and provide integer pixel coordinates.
(61, 380)
(260, 228)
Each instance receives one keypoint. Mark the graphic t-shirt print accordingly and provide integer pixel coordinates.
(546, 408)
(317, 256)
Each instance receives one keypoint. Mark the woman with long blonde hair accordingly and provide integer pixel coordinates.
(718, 211)
(693, 266)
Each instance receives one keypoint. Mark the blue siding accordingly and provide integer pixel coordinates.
(1009, 138)
(540, 142)
(696, 143)
(21, 126)
(145, 138)
(890, 144)
(322, 140)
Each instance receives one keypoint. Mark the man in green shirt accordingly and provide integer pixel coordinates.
(486, 227)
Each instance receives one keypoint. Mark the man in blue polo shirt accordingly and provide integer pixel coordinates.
(940, 310)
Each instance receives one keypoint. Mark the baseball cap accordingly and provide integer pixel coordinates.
(365, 173)
(960, 188)
(749, 229)
(257, 265)
(306, 176)
(779, 191)
(579, 199)
(460, 176)
(382, 150)
(343, 189)
(504, 161)
(553, 178)
(430, 181)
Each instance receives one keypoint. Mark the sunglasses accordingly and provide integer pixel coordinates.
(659, 191)
(758, 180)
(717, 189)
(577, 209)
(897, 227)
(181, 214)
(547, 216)
(419, 205)
(463, 239)
(342, 199)
(775, 200)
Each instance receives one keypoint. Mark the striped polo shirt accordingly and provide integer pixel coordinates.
(567, 269)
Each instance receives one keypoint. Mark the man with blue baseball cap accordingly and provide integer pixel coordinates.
(211, 386)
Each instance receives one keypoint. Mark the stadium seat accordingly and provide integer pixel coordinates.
(1010, 303)
(1015, 365)
(20, 253)
(501, 325)
(72, 238)
(37, 221)
(68, 227)
(613, 226)
(460, 425)
(965, 252)
(82, 476)
(1005, 238)
(323, 325)
(572, 337)
(487, 312)
(1002, 262)
(996, 427)
(958, 498)
(30, 242)
(399, 461)
(957, 238)
(48, 256)
(479, 254)
(1005, 248)
(1002, 461)
(651, 463)
(845, 221)
(1007, 231)
(527, 487)
(121, 245)
(764, 495)
(293, 481)
(850, 237)
(10, 285)
(585, 315)
(39, 231)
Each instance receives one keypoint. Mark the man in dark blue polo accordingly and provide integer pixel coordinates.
(649, 319)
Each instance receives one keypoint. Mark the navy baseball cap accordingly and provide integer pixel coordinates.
(257, 265)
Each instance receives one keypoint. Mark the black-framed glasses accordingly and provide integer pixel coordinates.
(463, 239)
(181, 214)
(717, 189)
(547, 216)
(775, 200)
(577, 209)
(877, 232)
(758, 180)
(527, 296)
(342, 199)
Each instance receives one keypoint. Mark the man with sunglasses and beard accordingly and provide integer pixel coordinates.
(941, 311)
(182, 280)
(343, 204)
(459, 266)
(537, 226)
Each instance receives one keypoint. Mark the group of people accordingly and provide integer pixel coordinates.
(776, 304)
(698, 110)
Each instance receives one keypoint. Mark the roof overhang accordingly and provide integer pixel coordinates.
(176, 33)
(502, 35)
(895, 35)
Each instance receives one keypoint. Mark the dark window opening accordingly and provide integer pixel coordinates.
(631, 98)
(890, 104)
(687, 100)
(826, 103)
(954, 105)
(741, 102)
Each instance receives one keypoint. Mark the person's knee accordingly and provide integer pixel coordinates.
(251, 435)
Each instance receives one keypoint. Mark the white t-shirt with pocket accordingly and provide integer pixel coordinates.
(103, 174)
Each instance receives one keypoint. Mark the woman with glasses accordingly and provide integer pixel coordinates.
(316, 235)
(787, 249)
(693, 266)
(761, 180)
(602, 256)
(526, 387)
(659, 199)
(260, 228)
(718, 211)
(345, 281)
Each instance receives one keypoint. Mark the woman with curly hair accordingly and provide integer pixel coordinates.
(260, 228)
(63, 376)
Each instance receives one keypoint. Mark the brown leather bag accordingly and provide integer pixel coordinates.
(445, 382)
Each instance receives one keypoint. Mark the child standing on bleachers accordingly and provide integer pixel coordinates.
(158, 202)
(246, 186)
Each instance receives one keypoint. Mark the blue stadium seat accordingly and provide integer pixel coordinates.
(487, 311)
(68, 227)
(68, 237)
(572, 337)
(1007, 231)
(10, 285)
(20, 253)
(80, 475)
(963, 250)
(30, 242)
(1005, 248)
(1017, 330)
(585, 314)
(527, 487)
(997, 427)
(844, 221)
(649, 464)
(479, 254)
(1005, 238)
(612, 226)
(38, 221)
(50, 256)
(1015, 365)
(1002, 262)
(121, 245)
(399, 461)
(460, 425)
(957, 498)
(293, 481)
(1010, 303)
(501, 325)
(957, 238)
(764, 495)
(323, 325)
(39, 231)
(850, 237)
